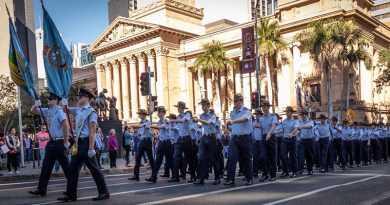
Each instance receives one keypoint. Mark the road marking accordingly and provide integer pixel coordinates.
(360, 174)
(217, 192)
(377, 199)
(321, 190)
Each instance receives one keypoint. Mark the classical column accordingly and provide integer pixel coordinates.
(162, 83)
(151, 56)
(109, 79)
(125, 89)
(133, 86)
(117, 87)
(142, 68)
(296, 55)
(100, 77)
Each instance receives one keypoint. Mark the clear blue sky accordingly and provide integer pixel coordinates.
(78, 21)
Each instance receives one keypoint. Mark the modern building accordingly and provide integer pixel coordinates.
(42, 83)
(264, 8)
(81, 56)
(84, 72)
(167, 36)
(381, 11)
(120, 8)
(22, 14)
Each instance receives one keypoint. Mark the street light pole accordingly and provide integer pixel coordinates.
(257, 55)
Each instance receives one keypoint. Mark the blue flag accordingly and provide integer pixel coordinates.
(19, 67)
(58, 60)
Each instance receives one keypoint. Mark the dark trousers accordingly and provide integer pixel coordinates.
(164, 149)
(357, 147)
(127, 155)
(240, 147)
(383, 142)
(349, 153)
(98, 155)
(301, 156)
(112, 155)
(208, 155)
(183, 145)
(220, 159)
(144, 146)
(323, 147)
(376, 149)
(336, 151)
(12, 161)
(256, 157)
(289, 151)
(308, 152)
(268, 156)
(55, 151)
(365, 152)
(75, 166)
(279, 141)
(28, 154)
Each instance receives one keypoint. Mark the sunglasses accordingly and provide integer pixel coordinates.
(161, 111)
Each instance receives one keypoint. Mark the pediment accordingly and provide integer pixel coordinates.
(121, 28)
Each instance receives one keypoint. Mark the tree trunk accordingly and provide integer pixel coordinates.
(348, 89)
(269, 82)
(215, 93)
(342, 92)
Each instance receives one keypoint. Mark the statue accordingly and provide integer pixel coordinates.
(113, 111)
(102, 104)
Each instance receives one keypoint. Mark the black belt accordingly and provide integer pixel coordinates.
(55, 140)
(165, 140)
(182, 137)
(210, 135)
(84, 138)
(241, 135)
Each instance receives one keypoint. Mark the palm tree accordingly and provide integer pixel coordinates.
(212, 59)
(383, 79)
(270, 43)
(317, 39)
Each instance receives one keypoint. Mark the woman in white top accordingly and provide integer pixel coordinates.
(13, 144)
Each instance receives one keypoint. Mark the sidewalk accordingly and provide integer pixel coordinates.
(28, 172)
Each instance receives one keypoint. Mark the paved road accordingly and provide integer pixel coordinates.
(365, 185)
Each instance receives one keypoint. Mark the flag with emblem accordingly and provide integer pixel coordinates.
(57, 59)
(19, 67)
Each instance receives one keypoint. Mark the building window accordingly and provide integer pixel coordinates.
(315, 93)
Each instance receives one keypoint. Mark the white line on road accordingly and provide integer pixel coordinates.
(216, 192)
(321, 190)
(376, 199)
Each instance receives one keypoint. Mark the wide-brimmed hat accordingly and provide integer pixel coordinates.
(85, 92)
(303, 112)
(290, 109)
(142, 112)
(238, 96)
(265, 103)
(54, 96)
(181, 104)
(204, 102)
(322, 116)
(172, 116)
(161, 109)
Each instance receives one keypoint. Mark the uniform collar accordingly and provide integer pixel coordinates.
(86, 106)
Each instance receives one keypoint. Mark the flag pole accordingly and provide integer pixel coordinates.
(20, 129)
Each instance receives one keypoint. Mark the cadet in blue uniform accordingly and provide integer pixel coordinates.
(183, 144)
(241, 142)
(337, 145)
(164, 148)
(86, 123)
(357, 144)
(145, 145)
(289, 143)
(58, 144)
(257, 140)
(347, 137)
(307, 139)
(366, 142)
(268, 150)
(279, 138)
(383, 141)
(324, 134)
(208, 144)
(220, 160)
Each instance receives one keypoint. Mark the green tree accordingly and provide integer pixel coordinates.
(383, 62)
(212, 59)
(8, 103)
(270, 43)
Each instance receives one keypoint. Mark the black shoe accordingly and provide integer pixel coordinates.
(67, 198)
(263, 178)
(272, 179)
(249, 182)
(293, 175)
(191, 180)
(198, 182)
(216, 182)
(300, 172)
(151, 179)
(174, 180)
(322, 171)
(310, 173)
(37, 193)
(166, 176)
(101, 197)
(229, 183)
(283, 175)
(134, 178)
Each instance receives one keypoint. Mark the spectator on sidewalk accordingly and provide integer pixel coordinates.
(27, 144)
(112, 148)
(13, 144)
(43, 138)
(99, 145)
(127, 136)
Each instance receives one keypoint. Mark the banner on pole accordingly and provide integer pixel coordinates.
(248, 50)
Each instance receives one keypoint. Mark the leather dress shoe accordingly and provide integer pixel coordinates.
(101, 197)
(163, 175)
(191, 180)
(216, 182)
(229, 183)
(199, 182)
(67, 198)
(134, 178)
(151, 179)
(37, 193)
(174, 180)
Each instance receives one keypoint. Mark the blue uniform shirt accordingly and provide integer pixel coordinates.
(324, 130)
(193, 127)
(80, 113)
(382, 133)
(337, 131)
(347, 133)
(144, 132)
(266, 123)
(306, 133)
(242, 128)
(163, 133)
(288, 125)
(184, 127)
(211, 128)
(257, 131)
(218, 127)
(55, 116)
(127, 137)
(375, 133)
(174, 133)
(279, 130)
(366, 134)
(357, 134)
(99, 142)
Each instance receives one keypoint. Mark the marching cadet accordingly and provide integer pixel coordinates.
(145, 145)
(357, 144)
(256, 144)
(164, 148)
(220, 160)
(347, 136)
(183, 144)
(194, 132)
(208, 145)
(383, 142)
(289, 143)
(279, 138)
(366, 141)
(307, 139)
(86, 123)
(268, 150)
(324, 134)
(376, 144)
(337, 145)
(241, 141)
(58, 144)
